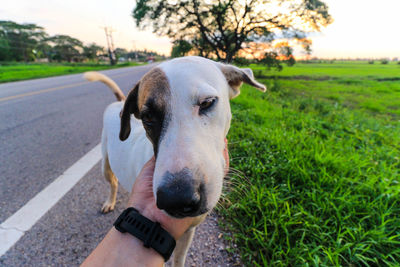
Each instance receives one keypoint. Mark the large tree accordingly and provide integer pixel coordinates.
(223, 26)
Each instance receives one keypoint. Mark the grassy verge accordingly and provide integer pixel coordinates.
(317, 168)
(16, 72)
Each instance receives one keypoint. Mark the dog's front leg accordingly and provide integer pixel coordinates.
(109, 204)
(182, 246)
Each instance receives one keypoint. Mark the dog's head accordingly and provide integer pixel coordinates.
(184, 108)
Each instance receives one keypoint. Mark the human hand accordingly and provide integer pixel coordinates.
(142, 198)
(226, 156)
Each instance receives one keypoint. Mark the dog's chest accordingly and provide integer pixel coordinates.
(126, 157)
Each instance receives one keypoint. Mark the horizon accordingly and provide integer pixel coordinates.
(351, 35)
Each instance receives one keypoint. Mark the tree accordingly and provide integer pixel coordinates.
(92, 51)
(19, 40)
(120, 53)
(223, 26)
(29, 42)
(286, 53)
(66, 48)
(43, 50)
(181, 48)
(5, 51)
(270, 59)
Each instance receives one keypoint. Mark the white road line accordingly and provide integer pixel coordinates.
(12, 229)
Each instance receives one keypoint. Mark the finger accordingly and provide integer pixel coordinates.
(226, 156)
(148, 168)
(146, 174)
(150, 164)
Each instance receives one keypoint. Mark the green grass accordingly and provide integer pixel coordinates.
(316, 180)
(25, 71)
(341, 70)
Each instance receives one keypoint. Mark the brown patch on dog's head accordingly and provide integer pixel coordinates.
(148, 101)
(153, 86)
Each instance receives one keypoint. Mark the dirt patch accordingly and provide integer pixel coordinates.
(209, 248)
(389, 79)
(297, 77)
(325, 78)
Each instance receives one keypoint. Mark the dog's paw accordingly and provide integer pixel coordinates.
(107, 207)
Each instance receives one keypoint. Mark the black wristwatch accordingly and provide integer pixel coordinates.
(151, 233)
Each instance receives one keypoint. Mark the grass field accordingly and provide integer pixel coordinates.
(316, 159)
(25, 71)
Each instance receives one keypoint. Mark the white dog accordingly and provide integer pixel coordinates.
(181, 115)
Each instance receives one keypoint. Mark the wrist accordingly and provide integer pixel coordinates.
(121, 249)
(168, 223)
(148, 231)
(128, 245)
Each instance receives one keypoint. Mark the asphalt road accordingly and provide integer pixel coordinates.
(46, 125)
(42, 135)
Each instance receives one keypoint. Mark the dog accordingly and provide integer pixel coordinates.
(179, 112)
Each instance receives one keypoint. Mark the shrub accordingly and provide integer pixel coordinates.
(241, 61)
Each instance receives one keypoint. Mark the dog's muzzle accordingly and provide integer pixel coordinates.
(181, 196)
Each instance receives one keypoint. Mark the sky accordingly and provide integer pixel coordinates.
(361, 28)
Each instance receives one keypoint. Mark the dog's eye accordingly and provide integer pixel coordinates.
(146, 119)
(207, 104)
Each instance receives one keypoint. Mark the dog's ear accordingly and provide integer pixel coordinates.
(236, 76)
(130, 107)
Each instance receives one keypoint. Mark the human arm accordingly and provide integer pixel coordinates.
(123, 249)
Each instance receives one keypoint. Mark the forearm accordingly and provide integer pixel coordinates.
(118, 249)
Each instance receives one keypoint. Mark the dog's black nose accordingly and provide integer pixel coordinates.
(180, 196)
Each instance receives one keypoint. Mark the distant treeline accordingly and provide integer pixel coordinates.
(383, 61)
(369, 59)
(30, 42)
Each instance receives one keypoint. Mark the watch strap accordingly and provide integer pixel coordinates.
(151, 233)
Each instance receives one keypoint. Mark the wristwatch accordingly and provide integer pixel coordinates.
(151, 233)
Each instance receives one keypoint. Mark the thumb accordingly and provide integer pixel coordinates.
(149, 165)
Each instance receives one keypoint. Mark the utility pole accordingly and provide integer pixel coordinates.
(111, 41)
(110, 45)
(134, 49)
